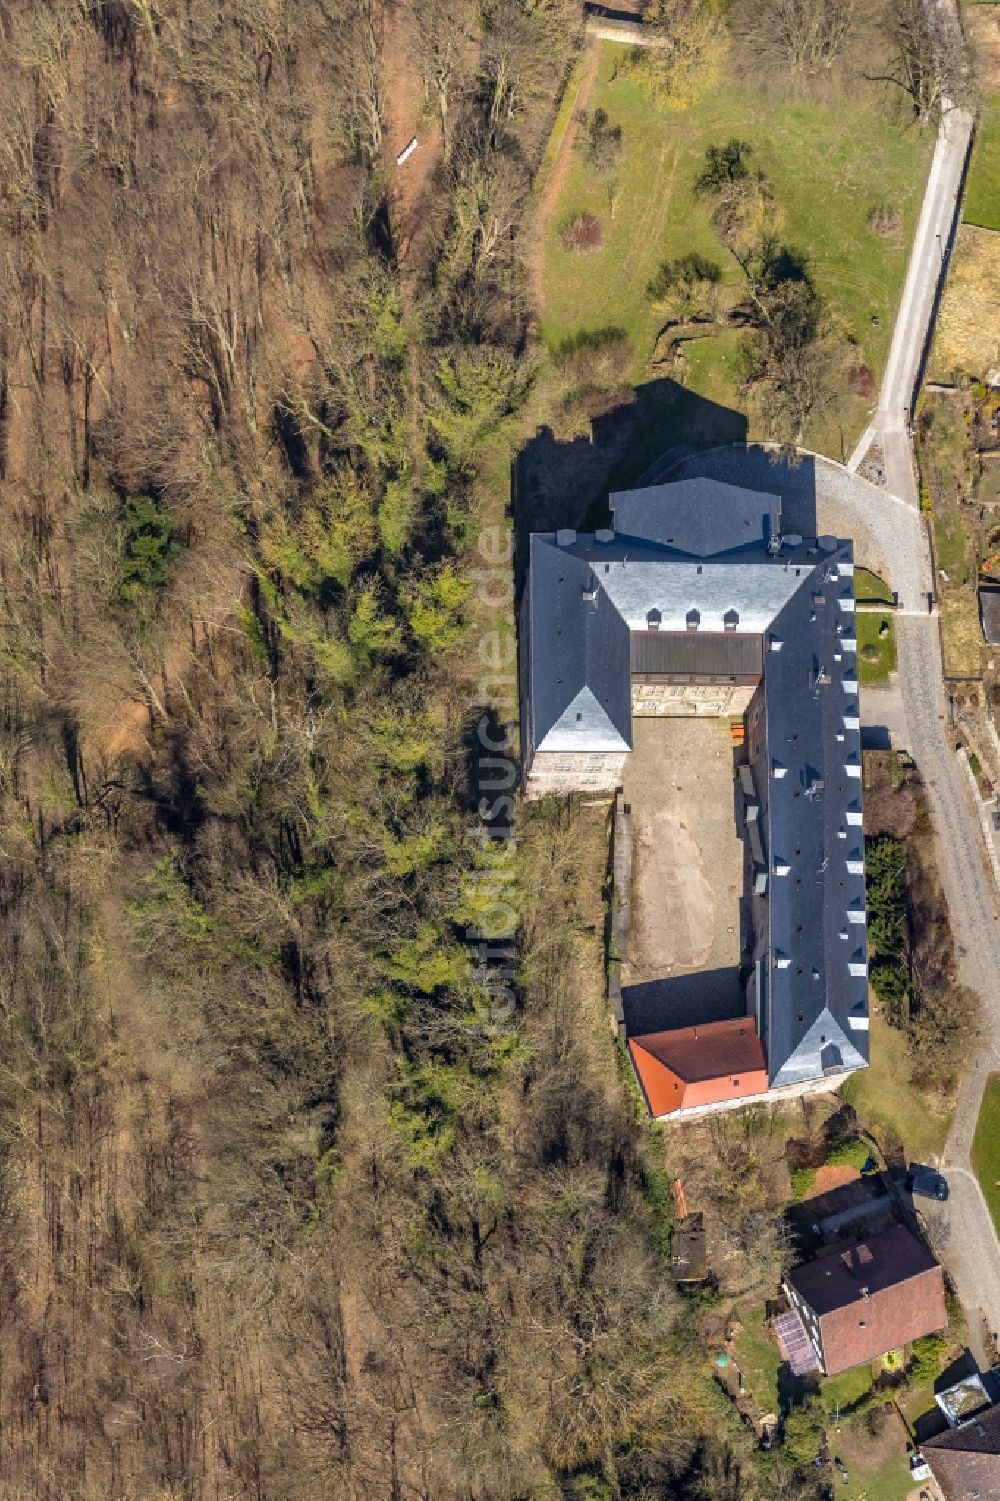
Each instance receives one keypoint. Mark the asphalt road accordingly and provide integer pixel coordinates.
(924, 277)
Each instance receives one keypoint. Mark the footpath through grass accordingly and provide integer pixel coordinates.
(834, 161)
(982, 194)
(986, 1148)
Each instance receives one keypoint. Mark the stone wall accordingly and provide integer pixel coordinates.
(621, 908)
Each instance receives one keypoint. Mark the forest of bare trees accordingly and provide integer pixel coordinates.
(280, 1215)
(278, 1219)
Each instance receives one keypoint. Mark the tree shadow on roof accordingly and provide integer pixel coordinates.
(657, 433)
(565, 483)
(708, 995)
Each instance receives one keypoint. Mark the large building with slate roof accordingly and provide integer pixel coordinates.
(695, 602)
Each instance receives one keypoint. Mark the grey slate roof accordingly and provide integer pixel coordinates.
(701, 517)
(989, 613)
(640, 577)
(589, 605)
(580, 693)
(818, 1011)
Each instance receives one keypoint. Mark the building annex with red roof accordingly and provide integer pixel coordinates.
(690, 1067)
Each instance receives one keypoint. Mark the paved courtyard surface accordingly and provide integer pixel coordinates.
(687, 875)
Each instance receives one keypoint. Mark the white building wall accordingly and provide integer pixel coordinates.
(825, 1084)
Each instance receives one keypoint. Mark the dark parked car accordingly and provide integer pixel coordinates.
(928, 1185)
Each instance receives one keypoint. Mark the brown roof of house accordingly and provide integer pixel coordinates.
(699, 1065)
(966, 1460)
(872, 1297)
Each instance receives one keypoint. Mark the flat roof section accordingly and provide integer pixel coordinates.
(698, 516)
(710, 654)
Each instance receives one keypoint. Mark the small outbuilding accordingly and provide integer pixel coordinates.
(989, 612)
(692, 1067)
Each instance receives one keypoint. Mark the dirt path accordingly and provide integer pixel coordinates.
(404, 106)
(554, 185)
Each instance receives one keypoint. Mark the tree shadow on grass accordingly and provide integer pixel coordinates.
(660, 432)
(565, 483)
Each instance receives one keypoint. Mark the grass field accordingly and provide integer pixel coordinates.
(831, 164)
(986, 1148)
(758, 1357)
(982, 195)
(952, 544)
(961, 633)
(876, 654)
(884, 1096)
(840, 1391)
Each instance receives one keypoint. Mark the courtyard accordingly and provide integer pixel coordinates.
(687, 881)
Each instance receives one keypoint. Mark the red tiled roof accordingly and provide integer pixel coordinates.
(965, 1461)
(699, 1065)
(872, 1297)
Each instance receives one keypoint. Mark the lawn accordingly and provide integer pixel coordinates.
(986, 1148)
(884, 1096)
(982, 195)
(838, 1392)
(887, 1480)
(816, 153)
(756, 1353)
(870, 588)
(876, 653)
(952, 544)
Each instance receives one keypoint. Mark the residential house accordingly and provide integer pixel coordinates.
(857, 1302)
(965, 1460)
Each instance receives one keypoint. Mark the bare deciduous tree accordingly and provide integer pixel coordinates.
(798, 36)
